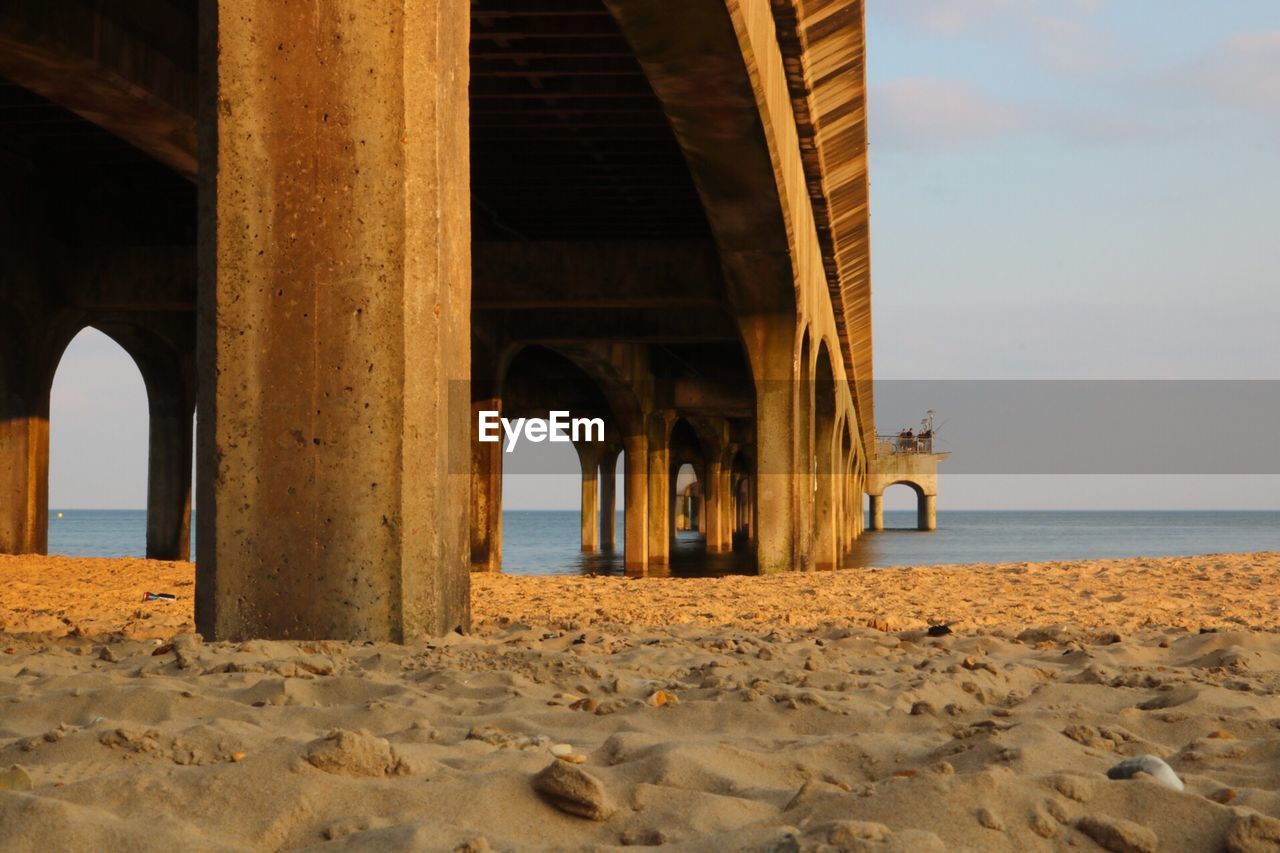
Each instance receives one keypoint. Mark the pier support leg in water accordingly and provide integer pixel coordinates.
(636, 506)
(927, 513)
(877, 512)
(608, 498)
(660, 503)
(334, 315)
(712, 505)
(589, 459)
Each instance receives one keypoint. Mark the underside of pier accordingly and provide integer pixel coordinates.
(341, 230)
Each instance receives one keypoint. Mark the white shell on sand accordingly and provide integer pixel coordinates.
(1152, 765)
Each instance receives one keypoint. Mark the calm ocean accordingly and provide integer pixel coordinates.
(546, 543)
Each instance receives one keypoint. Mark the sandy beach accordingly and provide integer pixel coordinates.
(793, 712)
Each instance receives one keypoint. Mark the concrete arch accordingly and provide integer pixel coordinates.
(926, 504)
(168, 372)
(686, 448)
(688, 511)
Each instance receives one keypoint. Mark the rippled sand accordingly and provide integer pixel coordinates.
(787, 712)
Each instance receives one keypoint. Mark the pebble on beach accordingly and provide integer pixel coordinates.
(16, 778)
(1152, 765)
(573, 790)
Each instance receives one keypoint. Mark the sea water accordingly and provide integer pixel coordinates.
(547, 542)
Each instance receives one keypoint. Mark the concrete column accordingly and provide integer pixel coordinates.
(24, 470)
(334, 311)
(169, 474)
(660, 491)
(677, 507)
(927, 513)
(589, 460)
(729, 510)
(713, 498)
(877, 512)
(636, 507)
(699, 507)
(608, 499)
(770, 342)
(486, 494)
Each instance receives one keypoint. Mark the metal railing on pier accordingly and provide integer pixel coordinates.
(888, 445)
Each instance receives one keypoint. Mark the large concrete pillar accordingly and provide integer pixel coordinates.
(636, 507)
(169, 473)
(713, 498)
(334, 320)
(486, 494)
(699, 504)
(608, 498)
(660, 491)
(877, 512)
(589, 459)
(927, 513)
(24, 465)
(770, 342)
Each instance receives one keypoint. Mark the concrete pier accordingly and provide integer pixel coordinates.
(380, 222)
(907, 463)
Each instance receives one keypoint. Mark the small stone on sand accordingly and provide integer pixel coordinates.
(573, 790)
(348, 753)
(16, 778)
(1152, 765)
(662, 697)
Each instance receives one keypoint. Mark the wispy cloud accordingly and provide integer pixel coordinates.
(960, 17)
(1244, 71)
(927, 112)
(1061, 32)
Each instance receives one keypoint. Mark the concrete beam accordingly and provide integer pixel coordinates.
(94, 66)
(670, 274)
(640, 325)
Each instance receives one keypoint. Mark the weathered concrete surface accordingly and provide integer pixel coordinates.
(335, 252)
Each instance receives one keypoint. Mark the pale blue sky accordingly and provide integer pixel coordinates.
(1060, 189)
